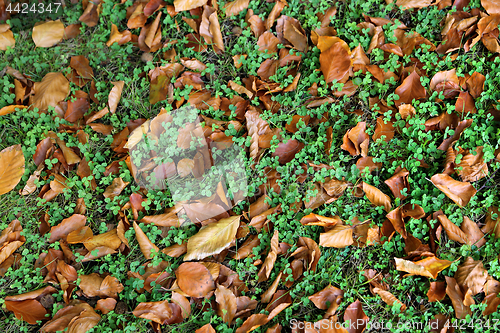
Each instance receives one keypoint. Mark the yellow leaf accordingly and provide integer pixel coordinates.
(47, 34)
(11, 168)
(213, 238)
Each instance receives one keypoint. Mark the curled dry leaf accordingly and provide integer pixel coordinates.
(72, 223)
(194, 279)
(47, 34)
(459, 192)
(253, 322)
(389, 298)
(76, 317)
(452, 230)
(161, 312)
(106, 305)
(212, 238)
(11, 168)
(429, 267)
(472, 275)
(329, 299)
(115, 95)
(147, 247)
(410, 89)
(398, 182)
(377, 197)
(116, 187)
(235, 7)
(437, 291)
(457, 298)
(356, 140)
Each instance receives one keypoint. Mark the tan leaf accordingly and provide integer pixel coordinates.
(409, 4)
(116, 187)
(212, 238)
(115, 95)
(327, 298)
(60, 231)
(181, 5)
(226, 304)
(474, 235)
(106, 305)
(7, 39)
(389, 298)
(355, 138)
(53, 88)
(459, 192)
(235, 7)
(144, 243)
(452, 230)
(11, 168)
(160, 312)
(194, 279)
(47, 34)
(240, 89)
(356, 317)
(205, 329)
(339, 236)
(472, 274)
(437, 291)
(377, 197)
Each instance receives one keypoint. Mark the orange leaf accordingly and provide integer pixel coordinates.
(459, 192)
(410, 89)
(181, 5)
(53, 88)
(226, 304)
(335, 63)
(339, 236)
(235, 7)
(145, 244)
(377, 197)
(194, 279)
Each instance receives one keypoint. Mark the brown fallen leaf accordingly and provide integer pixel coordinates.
(452, 230)
(457, 298)
(459, 192)
(226, 301)
(437, 291)
(429, 267)
(339, 236)
(161, 312)
(77, 316)
(410, 89)
(399, 182)
(53, 88)
(472, 274)
(181, 5)
(147, 247)
(335, 63)
(356, 140)
(27, 306)
(47, 34)
(116, 187)
(115, 95)
(11, 168)
(72, 223)
(356, 317)
(194, 279)
(389, 298)
(377, 197)
(235, 7)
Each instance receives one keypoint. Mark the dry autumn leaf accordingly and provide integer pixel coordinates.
(212, 238)
(47, 34)
(11, 168)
